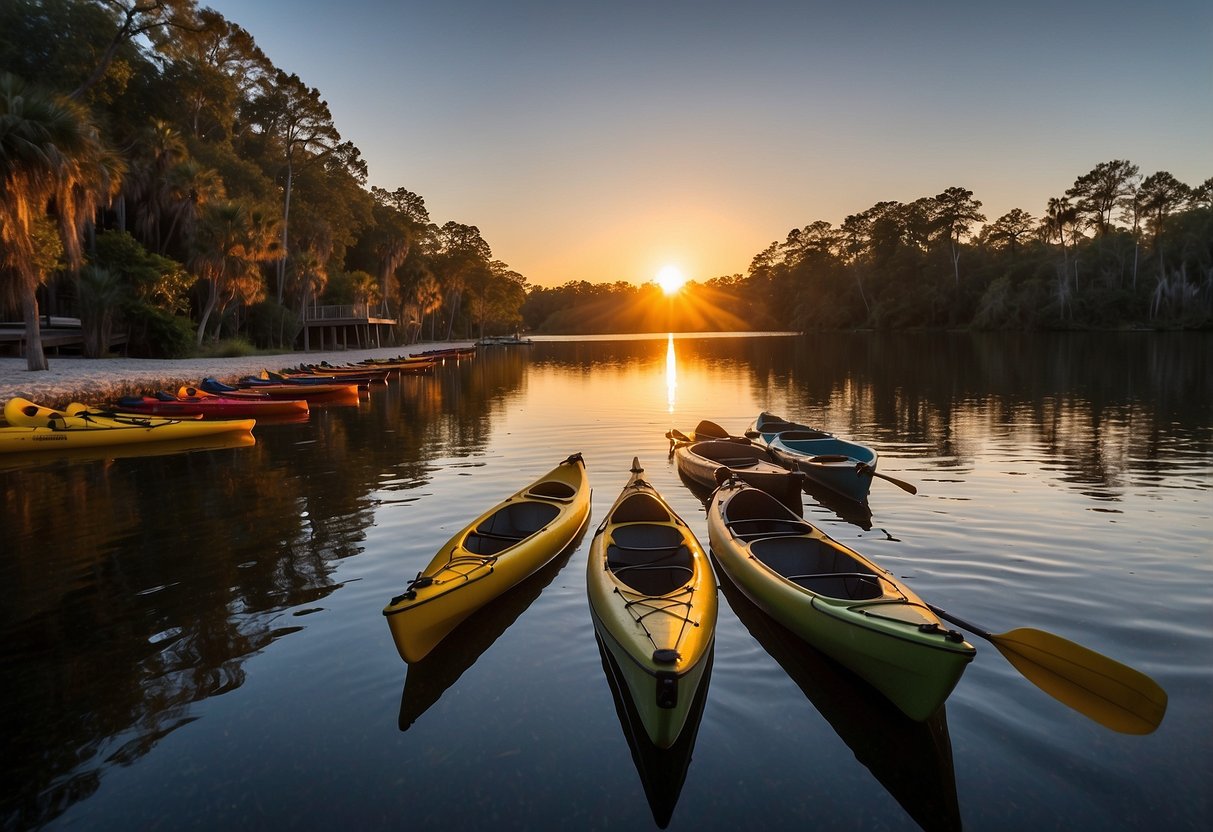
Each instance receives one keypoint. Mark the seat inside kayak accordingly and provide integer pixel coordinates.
(506, 527)
(552, 490)
(651, 558)
(818, 566)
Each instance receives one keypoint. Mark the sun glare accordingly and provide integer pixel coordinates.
(670, 279)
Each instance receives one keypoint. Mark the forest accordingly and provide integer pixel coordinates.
(161, 177)
(1116, 250)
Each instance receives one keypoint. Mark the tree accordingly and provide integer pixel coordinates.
(214, 67)
(190, 187)
(400, 217)
(297, 123)
(1161, 195)
(461, 249)
(1202, 194)
(1098, 192)
(955, 213)
(134, 18)
(160, 149)
(233, 239)
(52, 162)
(1012, 228)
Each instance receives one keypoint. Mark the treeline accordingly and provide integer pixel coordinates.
(1115, 250)
(161, 177)
(158, 173)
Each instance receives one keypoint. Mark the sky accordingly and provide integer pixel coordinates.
(604, 141)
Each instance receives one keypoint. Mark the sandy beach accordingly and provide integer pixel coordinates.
(99, 380)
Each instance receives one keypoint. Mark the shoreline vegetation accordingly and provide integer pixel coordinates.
(164, 180)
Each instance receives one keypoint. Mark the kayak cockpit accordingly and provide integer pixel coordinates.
(553, 490)
(650, 558)
(508, 526)
(817, 566)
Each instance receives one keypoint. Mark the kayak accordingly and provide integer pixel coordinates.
(653, 601)
(442, 354)
(767, 426)
(663, 771)
(364, 378)
(428, 679)
(385, 370)
(313, 383)
(312, 393)
(911, 759)
(210, 406)
(488, 556)
(700, 462)
(34, 427)
(836, 599)
(840, 465)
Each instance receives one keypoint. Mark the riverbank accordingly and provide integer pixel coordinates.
(99, 380)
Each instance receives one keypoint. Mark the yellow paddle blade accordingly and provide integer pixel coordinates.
(1112, 694)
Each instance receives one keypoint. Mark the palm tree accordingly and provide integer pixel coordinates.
(163, 148)
(190, 186)
(427, 294)
(232, 240)
(52, 163)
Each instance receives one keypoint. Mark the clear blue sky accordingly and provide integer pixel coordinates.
(601, 142)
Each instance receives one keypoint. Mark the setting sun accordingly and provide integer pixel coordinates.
(670, 279)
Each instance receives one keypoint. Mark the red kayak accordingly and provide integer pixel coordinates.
(210, 406)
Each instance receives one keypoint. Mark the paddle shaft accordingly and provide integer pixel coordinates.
(864, 468)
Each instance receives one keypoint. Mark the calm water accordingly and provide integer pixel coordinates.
(195, 641)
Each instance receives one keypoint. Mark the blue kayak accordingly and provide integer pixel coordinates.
(840, 465)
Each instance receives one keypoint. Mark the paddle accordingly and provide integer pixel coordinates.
(706, 428)
(1102, 689)
(864, 468)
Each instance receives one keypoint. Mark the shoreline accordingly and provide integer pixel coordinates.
(96, 381)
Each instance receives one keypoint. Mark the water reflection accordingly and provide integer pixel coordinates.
(174, 571)
(941, 395)
(134, 589)
(662, 770)
(912, 760)
(44, 459)
(671, 373)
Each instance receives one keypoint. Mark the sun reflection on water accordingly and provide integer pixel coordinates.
(671, 373)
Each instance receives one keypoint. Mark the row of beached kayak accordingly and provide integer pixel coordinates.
(653, 592)
(195, 413)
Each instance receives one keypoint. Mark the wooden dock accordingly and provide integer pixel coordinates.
(59, 335)
(345, 327)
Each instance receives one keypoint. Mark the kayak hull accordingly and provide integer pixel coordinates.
(653, 602)
(699, 462)
(34, 428)
(843, 467)
(836, 600)
(213, 407)
(490, 555)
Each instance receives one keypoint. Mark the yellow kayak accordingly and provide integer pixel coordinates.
(488, 556)
(653, 598)
(33, 427)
